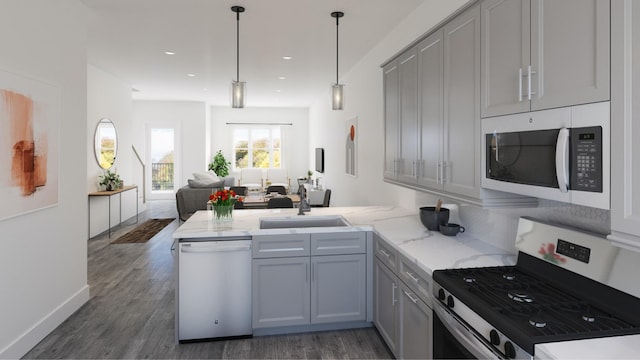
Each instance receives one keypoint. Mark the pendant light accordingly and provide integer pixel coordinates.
(238, 88)
(337, 89)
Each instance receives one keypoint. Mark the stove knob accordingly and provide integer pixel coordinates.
(495, 338)
(509, 350)
(441, 295)
(450, 301)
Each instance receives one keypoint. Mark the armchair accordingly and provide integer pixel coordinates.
(251, 178)
(279, 177)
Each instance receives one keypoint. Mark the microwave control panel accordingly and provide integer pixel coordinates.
(586, 159)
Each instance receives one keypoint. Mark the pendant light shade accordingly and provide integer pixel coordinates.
(238, 88)
(337, 89)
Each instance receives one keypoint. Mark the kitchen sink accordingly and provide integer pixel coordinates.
(302, 222)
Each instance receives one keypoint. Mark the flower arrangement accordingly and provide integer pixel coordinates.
(110, 180)
(222, 202)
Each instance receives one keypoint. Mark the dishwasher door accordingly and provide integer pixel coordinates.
(214, 289)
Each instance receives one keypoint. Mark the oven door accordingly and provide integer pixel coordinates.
(452, 339)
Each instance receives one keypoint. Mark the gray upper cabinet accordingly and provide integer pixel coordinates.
(408, 64)
(391, 80)
(461, 157)
(541, 54)
(506, 51)
(431, 100)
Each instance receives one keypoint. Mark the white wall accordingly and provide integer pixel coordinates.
(110, 97)
(43, 265)
(296, 151)
(189, 118)
(363, 99)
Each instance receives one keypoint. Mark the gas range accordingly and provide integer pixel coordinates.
(555, 292)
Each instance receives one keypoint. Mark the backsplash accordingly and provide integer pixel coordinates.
(498, 226)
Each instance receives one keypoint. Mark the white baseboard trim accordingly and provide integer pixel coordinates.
(46, 325)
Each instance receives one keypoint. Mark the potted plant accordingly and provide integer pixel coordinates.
(110, 180)
(219, 165)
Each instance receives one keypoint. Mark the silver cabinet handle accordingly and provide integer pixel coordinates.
(520, 85)
(386, 254)
(413, 277)
(529, 92)
(438, 177)
(410, 296)
(444, 172)
(393, 294)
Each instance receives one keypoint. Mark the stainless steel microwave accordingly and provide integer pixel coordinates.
(559, 154)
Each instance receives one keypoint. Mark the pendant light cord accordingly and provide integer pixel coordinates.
(237, 46)
(337, 47)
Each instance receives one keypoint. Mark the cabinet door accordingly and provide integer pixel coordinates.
(461, 165)
(625, 123)
(391, 79)
(386, 309)
(430, 85)
(338, 288)
(281, 293)
(408, 64)
(417, 326)
(569, 52)
(505, 56)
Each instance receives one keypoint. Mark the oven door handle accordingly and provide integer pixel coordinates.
(465, 336)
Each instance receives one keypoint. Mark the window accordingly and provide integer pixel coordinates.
(257, 147)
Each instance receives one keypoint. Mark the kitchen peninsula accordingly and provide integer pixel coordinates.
(347, 252)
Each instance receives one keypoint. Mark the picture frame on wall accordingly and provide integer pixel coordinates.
(351, 147)
(29, 144)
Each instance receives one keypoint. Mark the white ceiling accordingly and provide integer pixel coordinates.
(128, 38)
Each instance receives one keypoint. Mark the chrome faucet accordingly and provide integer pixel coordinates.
(303, 206)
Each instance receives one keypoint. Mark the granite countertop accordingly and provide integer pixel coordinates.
(400, 227)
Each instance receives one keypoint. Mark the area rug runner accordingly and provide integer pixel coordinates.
(143, 232)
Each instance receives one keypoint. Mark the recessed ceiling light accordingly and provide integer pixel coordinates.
(169, 53)
(191, 75)
(281, 77)
(134, 90)
(287, 57)
(205, 89)
(278, 91)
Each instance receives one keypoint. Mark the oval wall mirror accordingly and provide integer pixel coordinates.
(105, 143)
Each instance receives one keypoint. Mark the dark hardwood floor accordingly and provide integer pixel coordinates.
(131, 312)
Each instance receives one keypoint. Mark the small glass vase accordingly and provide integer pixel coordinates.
(222, 215)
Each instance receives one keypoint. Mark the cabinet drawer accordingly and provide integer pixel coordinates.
(338, 243)
(416, 278)
(387, 254)
(286, 245)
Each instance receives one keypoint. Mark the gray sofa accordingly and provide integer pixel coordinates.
(190, 199)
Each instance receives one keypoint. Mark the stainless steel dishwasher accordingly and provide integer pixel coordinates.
(214, 288)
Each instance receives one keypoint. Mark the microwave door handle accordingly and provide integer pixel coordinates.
(562, 160)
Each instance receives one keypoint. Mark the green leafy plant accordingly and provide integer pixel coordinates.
(110, 180)
(219, 164)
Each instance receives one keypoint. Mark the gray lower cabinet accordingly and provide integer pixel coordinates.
(302, 279)
(402, 312)
(281, 292)
(386, 314)
(416, 323)
(338, 288)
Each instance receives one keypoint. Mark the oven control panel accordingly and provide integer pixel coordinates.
(574, 251)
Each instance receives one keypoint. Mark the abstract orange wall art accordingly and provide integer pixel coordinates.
(28, 156)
